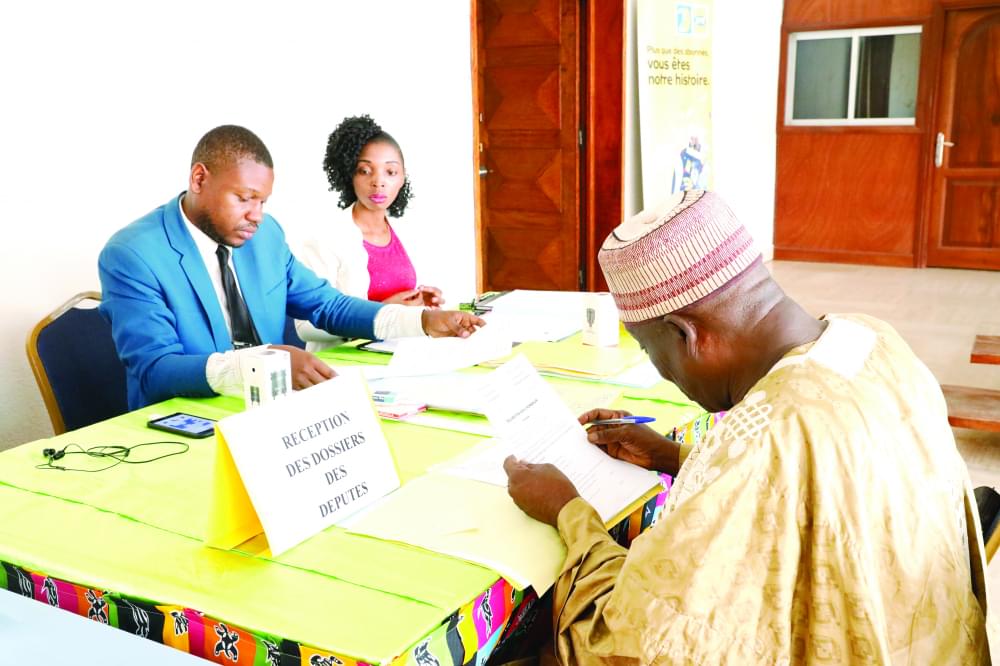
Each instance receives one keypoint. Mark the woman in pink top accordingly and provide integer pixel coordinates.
(365, 165)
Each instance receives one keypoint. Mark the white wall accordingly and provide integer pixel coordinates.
(103, 102)
(745, 50)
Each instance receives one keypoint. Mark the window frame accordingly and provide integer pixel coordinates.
(852, 80)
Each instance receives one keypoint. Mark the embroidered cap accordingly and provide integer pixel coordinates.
(664, 259)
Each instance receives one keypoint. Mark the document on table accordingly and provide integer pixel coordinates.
(425, 355)
(371, 373)
(643, 375)
(544, 316)
(577, 361)
(463, 392)
(453, 391)
(483, 462)
(533, 424)
(473, 521)
(459, 407)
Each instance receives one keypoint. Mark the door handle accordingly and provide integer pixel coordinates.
(939, 146)
(483, 171)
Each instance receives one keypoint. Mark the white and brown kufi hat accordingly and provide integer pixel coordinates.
(662, 260)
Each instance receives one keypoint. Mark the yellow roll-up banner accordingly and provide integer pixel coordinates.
(674, 51)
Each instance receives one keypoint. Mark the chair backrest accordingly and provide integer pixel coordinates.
(73, 358)
(988, 503)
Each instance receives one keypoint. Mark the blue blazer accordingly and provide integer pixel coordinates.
(166, 319)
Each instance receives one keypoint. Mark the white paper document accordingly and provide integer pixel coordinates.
(426, 356)
(370, 373)
(453, 391)
(483, 462)
(533, 424)
(470, 425)
(543, 316)
(643, 375)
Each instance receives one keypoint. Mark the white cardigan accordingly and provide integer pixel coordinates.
(336, 252)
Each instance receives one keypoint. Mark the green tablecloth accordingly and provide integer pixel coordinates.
(137, 530)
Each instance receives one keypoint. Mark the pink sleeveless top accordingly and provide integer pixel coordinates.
(390, 269)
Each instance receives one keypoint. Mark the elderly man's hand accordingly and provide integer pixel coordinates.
(307, 370)
(637, 444)
(450, 323)
(541, 491)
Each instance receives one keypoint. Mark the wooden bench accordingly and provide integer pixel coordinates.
(986, 349)
(971, 407)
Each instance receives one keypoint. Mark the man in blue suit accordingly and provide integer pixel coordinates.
(188, 287)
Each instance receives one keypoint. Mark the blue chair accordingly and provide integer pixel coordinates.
(74, 360)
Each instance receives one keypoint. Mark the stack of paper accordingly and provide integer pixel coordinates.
(575, 360)
(453, 398)
(425, 356)
(452, 391)
(538, 315)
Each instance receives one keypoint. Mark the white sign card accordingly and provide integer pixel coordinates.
(310, 460)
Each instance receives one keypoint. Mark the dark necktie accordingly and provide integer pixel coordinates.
(244, 333)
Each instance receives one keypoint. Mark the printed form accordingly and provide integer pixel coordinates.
(431, 356)
(535, 425)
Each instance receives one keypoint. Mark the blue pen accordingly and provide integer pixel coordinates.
(625, 420)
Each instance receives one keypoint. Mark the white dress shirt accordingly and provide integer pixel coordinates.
(223, 370)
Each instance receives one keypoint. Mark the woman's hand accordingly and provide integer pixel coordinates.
(408, 297)
(449, 323)
(422, 295)
(431, 295)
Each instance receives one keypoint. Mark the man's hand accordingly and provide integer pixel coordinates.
(541, 491)
(307, 370)
(450, 323)
(637, 444)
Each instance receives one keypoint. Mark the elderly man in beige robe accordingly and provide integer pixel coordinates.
(827, 519)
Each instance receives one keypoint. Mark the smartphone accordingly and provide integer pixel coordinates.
(380, 346)
(187, 425)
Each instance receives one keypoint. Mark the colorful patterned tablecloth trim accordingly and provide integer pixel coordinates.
(693, 431)
(469, 636)
(182, 628)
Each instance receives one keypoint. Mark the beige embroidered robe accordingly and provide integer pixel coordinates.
(827, 519)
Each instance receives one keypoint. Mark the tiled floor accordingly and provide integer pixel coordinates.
(938, 312)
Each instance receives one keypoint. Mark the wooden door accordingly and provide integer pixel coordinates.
(527, 76)
(964, 229)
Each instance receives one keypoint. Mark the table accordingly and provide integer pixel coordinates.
(975, 407)
(125, 545)
(986, 349)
